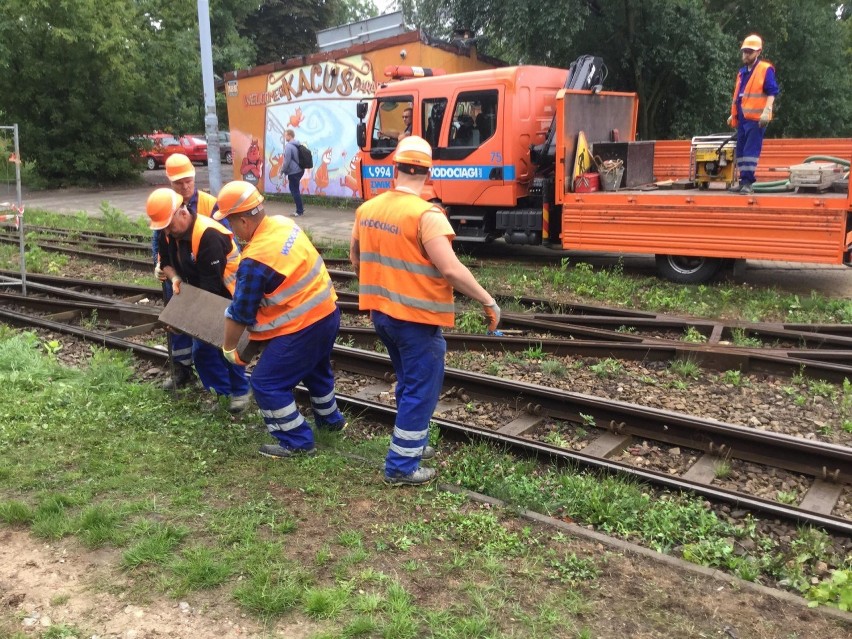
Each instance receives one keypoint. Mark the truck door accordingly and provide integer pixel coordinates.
(383, 134)
(469, 167)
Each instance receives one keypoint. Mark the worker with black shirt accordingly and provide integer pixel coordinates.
(198, 250)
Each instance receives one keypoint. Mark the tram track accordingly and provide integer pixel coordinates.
(826, 364)
(829, 466)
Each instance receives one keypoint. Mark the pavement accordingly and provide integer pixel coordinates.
(335, 225)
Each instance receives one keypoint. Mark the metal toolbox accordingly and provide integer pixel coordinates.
(815, 175)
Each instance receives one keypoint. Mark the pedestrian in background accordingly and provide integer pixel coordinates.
(202, 252)
(284, 297)
(402, 251)
(751, 109)
(293, 169)
(181, 174)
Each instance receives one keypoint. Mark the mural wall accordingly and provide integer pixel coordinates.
(317, 101)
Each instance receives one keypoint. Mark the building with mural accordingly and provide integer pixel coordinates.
(315, 96)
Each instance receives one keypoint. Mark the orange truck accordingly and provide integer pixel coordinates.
(515, 151)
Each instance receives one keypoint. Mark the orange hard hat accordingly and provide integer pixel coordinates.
(161, 207)
(752, 42)
(179, 167)
(413, 150)
(238, 196)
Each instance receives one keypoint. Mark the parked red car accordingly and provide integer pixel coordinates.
(192, 146)
(155, 148)
(152, 148)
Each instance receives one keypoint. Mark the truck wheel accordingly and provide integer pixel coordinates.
(685, 269)
(151, 163)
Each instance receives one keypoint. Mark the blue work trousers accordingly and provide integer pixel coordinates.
(417, 352)
(305, 357)
(293, 182)
(749, 144)
(217, 373)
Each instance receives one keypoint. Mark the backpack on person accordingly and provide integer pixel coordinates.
(304, 158)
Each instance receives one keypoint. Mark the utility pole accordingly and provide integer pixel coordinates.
(211, 122)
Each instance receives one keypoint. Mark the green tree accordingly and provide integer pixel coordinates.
(69, 75)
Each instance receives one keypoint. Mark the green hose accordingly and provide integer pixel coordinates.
(779, 186)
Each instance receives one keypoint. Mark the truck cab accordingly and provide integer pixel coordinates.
(480, 125)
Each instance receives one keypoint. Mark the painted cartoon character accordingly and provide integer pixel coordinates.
(351, 179)
(296, 118)
(305, 182)
(321, 174)
(252, 166)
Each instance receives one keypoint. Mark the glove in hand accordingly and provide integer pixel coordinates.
(233, 356)
(159, 273)
(176, 281)
(731, 121)
(492, 316)
(766, 116)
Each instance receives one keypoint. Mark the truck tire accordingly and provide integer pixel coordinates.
(685, 269)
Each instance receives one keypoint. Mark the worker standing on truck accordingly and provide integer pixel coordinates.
(200, 251)
(402, 251)
(285, 298)
(181, 174)
(751, 109)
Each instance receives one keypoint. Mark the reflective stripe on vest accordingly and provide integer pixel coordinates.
(754, 100)
(305, 296)
(396, 277)
(232, 263)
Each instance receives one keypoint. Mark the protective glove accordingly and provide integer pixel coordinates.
(233, 356)
(731, 121)
(766, 116)
(159, 273)
(176, 284)
(492, 316)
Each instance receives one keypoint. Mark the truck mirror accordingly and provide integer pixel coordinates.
(361, 134)
(361, 110)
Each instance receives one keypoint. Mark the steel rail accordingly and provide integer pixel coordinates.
(817, 459)
(528, 446)
(373, 364)
(97, 337)
(820, 364)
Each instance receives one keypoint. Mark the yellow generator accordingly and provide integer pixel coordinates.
(711, 159)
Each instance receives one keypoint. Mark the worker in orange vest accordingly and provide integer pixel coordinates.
(402, 250)
(202, 252)
(181, 174)
(285, 299)
(751, 109)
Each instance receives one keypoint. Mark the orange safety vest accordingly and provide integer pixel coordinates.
(754, 99)
(206, 204)
(396, 277)
(229, 277)
(305, 296)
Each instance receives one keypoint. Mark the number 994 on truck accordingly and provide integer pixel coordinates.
(543, 156)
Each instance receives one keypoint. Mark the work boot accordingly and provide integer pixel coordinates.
(239, 403)
(747, 188)
(277, 451)
(417, 478)
(183, 376)
(428, 452)
(735, 188)
(334, 428)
